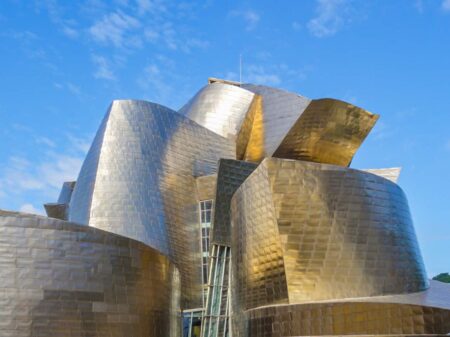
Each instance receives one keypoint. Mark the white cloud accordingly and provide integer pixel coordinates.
(331, 16)
(29, 208)
(80, 144)
(153, 6)
(250, 17)
(103, 70)
(45, 141)
(113, 29)
(261, 75)
(38, 179)
(446, 5)
(70, 32)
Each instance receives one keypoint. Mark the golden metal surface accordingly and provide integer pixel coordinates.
(281, 109)
(249, 142)
(329, 131)
(346, 318)
(316, 229)
(59, 279)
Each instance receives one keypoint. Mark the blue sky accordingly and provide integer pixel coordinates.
(62, 62)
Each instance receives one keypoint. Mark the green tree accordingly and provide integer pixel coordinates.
(443, 277)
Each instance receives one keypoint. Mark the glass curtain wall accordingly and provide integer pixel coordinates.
(206, 208)
(215, 319)
(192, 323)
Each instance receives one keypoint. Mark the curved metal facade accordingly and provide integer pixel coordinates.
(62, 279)
(305, 232)
(347, 318)
(219, 107)
(281, 109)
(138, 181)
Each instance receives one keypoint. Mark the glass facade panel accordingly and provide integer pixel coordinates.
(215, 319)
(206, 209)
(192, 322)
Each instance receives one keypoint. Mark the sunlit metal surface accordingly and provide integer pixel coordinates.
(281, 109)
(313, 229)
(232, 174)
(219, 107)
(63, 280)
(250, 140)
(139, 180)
(391, 174)
(347, 318)
(328, 131)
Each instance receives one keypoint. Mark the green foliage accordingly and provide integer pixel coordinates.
(443, 277)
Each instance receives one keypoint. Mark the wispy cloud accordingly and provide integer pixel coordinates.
(103, 68)
(41, 176)
(331, 16)
(113, 29)
(261, 75)
(45, 141)
(250, 17)
(446, 5)
(56, 14)
(29, 208)
(267, 73)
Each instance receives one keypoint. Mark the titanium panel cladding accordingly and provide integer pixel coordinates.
(347, 318)
(329, 131)
(330, 227)
(65, 280)
(391, 174)
(232, 174)
(281, 109)
(139, 181)
(219, 107)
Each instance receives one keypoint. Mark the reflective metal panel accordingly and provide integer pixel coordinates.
(60, 209)
(232, 174)
(326, 227)
(66, 192)
(139, 180)
(346, 318)
(63, 280)
(57, 211)
(391, 174)
(329, 131)
(219, 107)
(281, 109)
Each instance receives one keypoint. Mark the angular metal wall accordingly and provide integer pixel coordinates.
(329, 131)
(61, 279)
(325, 231)
(139, 181)
(281, 109)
